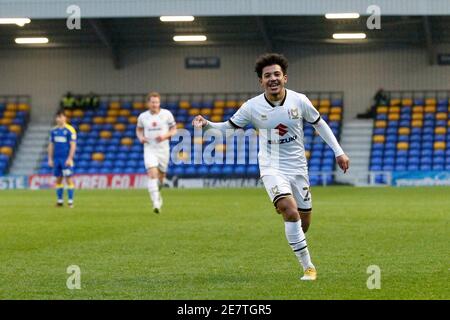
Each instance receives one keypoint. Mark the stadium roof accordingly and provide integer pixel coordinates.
(118, 34)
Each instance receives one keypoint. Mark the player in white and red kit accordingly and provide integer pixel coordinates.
(278, 115)
(154, 129)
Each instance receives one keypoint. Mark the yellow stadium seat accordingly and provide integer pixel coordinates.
(404, 131)
(380, 124)
(124, 113)
(182, 155)
(402, 145)
(417, 123)
(6, 121)
(440, 130)
(315, 103)
(417, 109)
(336, 110)
(240, 103)
(448, 123)
(24, 107)
(126, 141)
(184, 104)
(85, 127)
(98, 156)
(11, 107)
(198, 140)
(378, 138)
(105, 134)
(324, 110)
(219, 104)
(98, 120)
(394, 109)
(231, 104)
(407, 102)
(138, 105)
(324, 103)
(77, 113)
(417, 116)
(393, 116)
(335, 117)
(395, 102)
(15, 128)
(216, 118)
(205, 111)
(132, 120)
(441, 116)
(216, 111)
(9, 114)
(430, 101)
(382, 109)
(430, 109)
(180, 125)
(115, 105)
(112, 113)
(68, 112)
(439, 145)
(120, 127)
(194, 111)
(219, 147)
(111, 120)
(6, 151)
(308, 154)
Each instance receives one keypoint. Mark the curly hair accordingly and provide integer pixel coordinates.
(269, 59)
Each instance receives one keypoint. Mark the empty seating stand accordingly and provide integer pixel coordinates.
(412, 133)
(107, 141)
(14, 117)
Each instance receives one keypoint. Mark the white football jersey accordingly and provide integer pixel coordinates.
(280, 131)
(155, 125)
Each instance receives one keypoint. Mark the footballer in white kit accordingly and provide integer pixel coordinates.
(278, 114)
(154, 129)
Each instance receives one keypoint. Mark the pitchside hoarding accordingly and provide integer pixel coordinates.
(13, 182)
(421, 178)
(93, 181)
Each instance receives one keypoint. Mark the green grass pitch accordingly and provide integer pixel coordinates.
(224, 244)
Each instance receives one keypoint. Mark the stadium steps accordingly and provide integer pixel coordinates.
(31, 149)
(356, 141)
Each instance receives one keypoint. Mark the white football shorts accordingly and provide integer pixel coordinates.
(156, 159)
(280, 186)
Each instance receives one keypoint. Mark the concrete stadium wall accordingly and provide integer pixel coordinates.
(46, 74)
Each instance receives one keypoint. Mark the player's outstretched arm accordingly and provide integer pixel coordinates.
(200, 122)
(327, 135)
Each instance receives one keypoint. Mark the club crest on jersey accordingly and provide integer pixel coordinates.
(263, 117)
(282, 129)
(154, 124)
(293, 113)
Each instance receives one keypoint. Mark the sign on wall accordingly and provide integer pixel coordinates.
(444, 59)
(202, 63)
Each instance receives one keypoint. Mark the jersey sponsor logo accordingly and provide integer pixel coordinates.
(282, 129)
(60, 139)
(281, 141)
(293, 113)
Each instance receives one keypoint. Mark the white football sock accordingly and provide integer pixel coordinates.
(154, 192)
(297, 240)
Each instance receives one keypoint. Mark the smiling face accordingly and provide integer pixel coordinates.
(272, 81)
